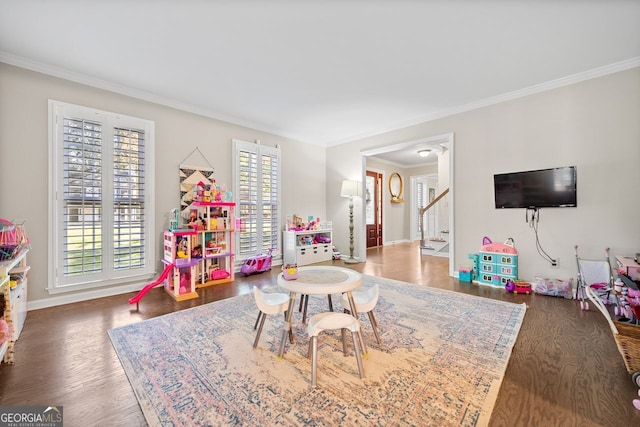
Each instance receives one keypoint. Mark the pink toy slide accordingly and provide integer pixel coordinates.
(136, 299)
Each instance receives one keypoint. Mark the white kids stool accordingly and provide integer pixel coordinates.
(269, 303)
(332, 321)
(366, 301)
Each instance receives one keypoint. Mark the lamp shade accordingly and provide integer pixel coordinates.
(349, 188)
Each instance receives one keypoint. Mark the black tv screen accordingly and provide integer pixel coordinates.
(544, 188)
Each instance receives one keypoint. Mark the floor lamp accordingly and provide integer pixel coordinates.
(350, 190)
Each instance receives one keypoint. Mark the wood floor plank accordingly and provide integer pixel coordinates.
(565, 369)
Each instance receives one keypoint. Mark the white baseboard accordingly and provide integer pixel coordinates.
(395, 242)
(83, 296)
(98, 293)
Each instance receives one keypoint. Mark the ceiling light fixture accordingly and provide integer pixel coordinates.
(424, 153)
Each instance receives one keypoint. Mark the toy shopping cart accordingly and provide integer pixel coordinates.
(596, 275)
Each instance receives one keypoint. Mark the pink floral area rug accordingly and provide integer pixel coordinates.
(441, 362)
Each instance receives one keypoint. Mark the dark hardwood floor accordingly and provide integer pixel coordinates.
(565, 369)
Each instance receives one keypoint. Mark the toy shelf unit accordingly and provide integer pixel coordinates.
(496, 268)
(180, 283)
(307, 246)
(215, 242)
(202, 255)
(14, 273)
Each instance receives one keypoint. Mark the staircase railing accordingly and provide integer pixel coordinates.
(423, 210)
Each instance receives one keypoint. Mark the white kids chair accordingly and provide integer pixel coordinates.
(366, 301)
(269, 303)
(332, 321)
(304, 302)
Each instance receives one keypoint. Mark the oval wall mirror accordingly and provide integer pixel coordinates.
(395, 188)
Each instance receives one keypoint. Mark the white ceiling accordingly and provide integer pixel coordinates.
(323, 72)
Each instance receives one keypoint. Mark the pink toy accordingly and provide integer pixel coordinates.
(502, 248)
(4, 331)
(217, 274)
(257, 264)
(518, 287)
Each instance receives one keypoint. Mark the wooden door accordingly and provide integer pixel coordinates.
(373, 200)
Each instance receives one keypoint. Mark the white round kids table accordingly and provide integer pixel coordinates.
(320, 280)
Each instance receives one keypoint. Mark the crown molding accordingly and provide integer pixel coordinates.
(50, 70)
(520, 93)
(84, 79)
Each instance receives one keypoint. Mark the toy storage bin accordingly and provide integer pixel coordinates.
(464, 275)
(12, 239)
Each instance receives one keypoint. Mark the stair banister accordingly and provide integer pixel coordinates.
(425, 209)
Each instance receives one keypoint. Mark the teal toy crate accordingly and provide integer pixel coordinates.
(465, 275)
(496, 268)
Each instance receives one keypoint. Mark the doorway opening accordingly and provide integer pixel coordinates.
(445, 145)
(373, 208)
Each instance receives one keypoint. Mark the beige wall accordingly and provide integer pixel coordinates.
(592, 124)
(24, 159)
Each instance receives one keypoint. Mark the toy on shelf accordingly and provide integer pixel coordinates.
(173, 223)
(257, 263)
(182, 248)
(322, 239)
(295, 223)
(217, 273)
(12, 239)
(212, 193)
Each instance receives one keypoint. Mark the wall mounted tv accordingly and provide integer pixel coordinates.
(544, 188)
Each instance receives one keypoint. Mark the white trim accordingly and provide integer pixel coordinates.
(364, 204)
(395, 242)
(109, 120)
(520, 93)
(39, 67)
(432, 140)
(259, 150)
(84, 79)
(452, 192)
(84, 296)
(446, 140)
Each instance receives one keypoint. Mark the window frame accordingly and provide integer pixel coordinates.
(259, 150)
(108, 276)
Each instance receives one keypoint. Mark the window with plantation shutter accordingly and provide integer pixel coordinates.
(101, 198)
(257, 190)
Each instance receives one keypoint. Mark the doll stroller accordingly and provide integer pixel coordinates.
(598, 276)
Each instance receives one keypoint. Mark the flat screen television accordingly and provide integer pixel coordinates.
(544, 188)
